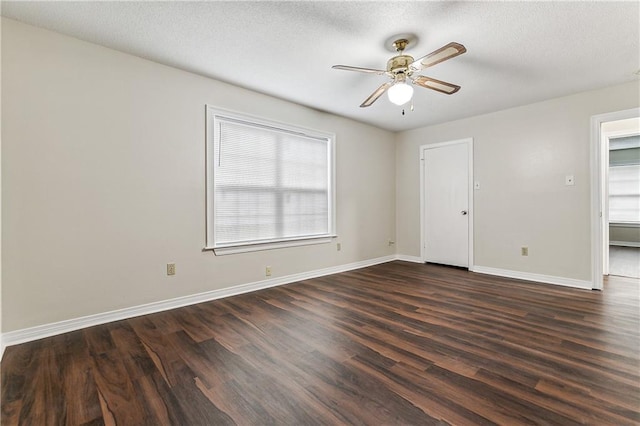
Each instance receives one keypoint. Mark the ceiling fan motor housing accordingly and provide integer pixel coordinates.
(399, 64)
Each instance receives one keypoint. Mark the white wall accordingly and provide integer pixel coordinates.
(521, 157)
(103, 165)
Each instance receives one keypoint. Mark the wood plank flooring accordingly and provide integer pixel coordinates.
(393, 344)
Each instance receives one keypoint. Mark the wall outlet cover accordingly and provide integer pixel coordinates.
(171, 268)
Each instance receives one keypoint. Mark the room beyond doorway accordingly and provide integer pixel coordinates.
(624, 261)
(620, 196)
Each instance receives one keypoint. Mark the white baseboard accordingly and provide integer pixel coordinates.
(52, 329)
(406, 258)
(527, 276)
(624, 243)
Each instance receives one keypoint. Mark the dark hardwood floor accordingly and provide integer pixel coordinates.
(392, 344)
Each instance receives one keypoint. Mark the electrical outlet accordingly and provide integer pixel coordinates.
(524, 251)
(171, 268)
(339, 246)
(267, 271)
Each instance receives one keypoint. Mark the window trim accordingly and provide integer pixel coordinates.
(215, 114)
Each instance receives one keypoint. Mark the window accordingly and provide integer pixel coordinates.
(268, 184)
(624, 179)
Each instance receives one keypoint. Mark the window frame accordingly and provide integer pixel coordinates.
(215, 115)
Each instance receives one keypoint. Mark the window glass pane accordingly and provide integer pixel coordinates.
(257, 221)
(306, 212)
(304, 163)
(245, 156)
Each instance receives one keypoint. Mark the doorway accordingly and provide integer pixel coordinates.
(600, 236)
(446, 203)
(621, 197)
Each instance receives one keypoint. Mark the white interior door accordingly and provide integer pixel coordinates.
(446, 204)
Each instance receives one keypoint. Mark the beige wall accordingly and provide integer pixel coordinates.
(103, 165)
(521, 157)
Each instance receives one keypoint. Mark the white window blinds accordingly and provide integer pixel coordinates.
(624, 193)
(270, 183)
(624, 179)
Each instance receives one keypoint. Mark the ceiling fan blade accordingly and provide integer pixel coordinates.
(375, 95)
(449, 51)
(438, 85)
(359, 69)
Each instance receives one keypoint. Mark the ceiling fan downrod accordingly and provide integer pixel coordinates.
(400, 44)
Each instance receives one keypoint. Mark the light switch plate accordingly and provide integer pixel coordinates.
(569, 180)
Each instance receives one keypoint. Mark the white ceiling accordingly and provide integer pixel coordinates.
(517, 52)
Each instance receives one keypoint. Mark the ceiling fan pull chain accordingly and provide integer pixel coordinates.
(410, 108)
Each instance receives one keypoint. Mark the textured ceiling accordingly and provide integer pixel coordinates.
(517, 52)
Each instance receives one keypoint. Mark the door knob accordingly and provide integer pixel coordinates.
(463, 212)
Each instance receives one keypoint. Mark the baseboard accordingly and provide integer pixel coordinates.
(52, 329)
(406, 258)
(527, 276)
(624, 243)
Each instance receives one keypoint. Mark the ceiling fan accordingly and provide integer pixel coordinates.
(401, 69)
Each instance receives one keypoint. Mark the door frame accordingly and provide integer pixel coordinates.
(470, 189)
(598, 175)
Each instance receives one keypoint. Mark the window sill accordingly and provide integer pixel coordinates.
(222, 251)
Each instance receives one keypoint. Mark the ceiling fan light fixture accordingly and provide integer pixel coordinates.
(400, 93)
